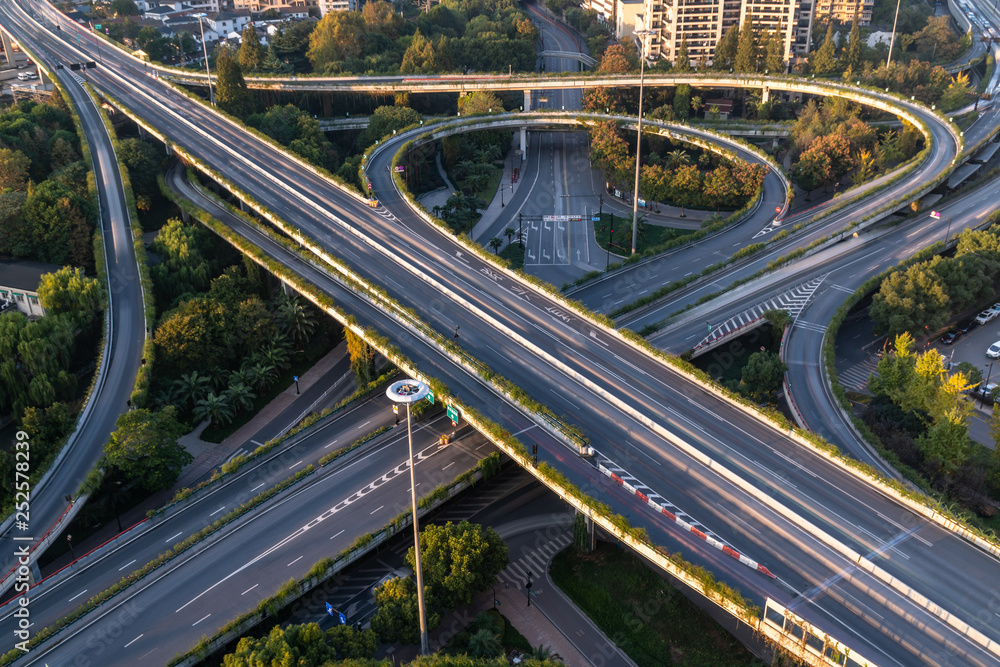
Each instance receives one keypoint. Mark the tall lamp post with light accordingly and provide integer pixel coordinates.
(638, 141)
(409, 392)
(204, 45)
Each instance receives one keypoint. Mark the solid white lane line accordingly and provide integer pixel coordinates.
(337, 535)
(253, 489)
(77, 595)
(200, 620)
(171, 539)
(295, 561)
(376, 510)
(294, 464)
(448, 466)
(126, 565)
(217, 511)
(366, 423)
(133, 641)
(249, 589)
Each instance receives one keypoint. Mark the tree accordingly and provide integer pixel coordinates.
(762, 375)
(824, 61)
(231, 93)
(144, 447)
(495, 243)
(143, 163)
(68, 290)
(678, 157)
(725, 50)
(614, 61)
(911, 301)
(58, 225)
(214, 407)
(239, 396)
(746, 49)
(459, 561)
(384, 120)
(13, 169)
(192, 386)
(957, 92)
(479, 102)
(120, 8)
(855, 55)
(945, 445)
(338, 37)
(485, 643)
(682, 102)
(683, 63)
(251, 54)
(303, 646)
(398, 618)
(297, 321)
(774, 57)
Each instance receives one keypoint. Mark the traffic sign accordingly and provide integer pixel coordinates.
(561, 218)
(430, 397)
(399, 169)
(336, 614)
(452, 414)
(97, 27)
(935, 215)
(595, 218)
(777, 209)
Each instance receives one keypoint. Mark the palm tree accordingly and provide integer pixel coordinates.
(495, 243)
(677, 158)
(240, 396)
(509, 233)
(260, 374)
(296, 320)
(243, 375)
(541, 652)
(192, 386)
(484, 643)
(214, 407)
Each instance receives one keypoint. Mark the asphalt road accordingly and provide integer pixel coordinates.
(568, 369)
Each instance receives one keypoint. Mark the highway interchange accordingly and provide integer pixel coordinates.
(632, 416)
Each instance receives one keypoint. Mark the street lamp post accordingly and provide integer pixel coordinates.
(986, 386)
(408, 392)
(204, 46)
(892, 38)
(638, 140)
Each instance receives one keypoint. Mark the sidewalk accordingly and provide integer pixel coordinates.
(440, 196)
(503, 194)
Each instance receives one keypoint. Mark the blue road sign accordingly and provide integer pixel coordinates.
(329, 608)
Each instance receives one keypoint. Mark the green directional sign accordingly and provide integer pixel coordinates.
(452, 414)
(97, 27)
(430, 397)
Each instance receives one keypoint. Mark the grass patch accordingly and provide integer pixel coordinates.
(650, 620)
(514, 254)
(650, 236)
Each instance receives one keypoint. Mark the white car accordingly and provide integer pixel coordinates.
(986, 316)
(986, 389)
(994, 351)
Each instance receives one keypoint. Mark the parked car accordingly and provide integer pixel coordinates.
(986, 389)
(951, 337)
(966, 327)
(986, 316)
(994, 351)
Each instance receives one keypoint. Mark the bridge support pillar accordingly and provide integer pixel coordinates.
(527, 100)
(765, 95)
(8, 49)
(524, 141)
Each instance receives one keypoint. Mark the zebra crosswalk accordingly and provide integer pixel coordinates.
(535, 562)
(792, 301)
(856, 377)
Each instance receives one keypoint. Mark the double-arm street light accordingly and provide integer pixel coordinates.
(642, 34)
(204, 45)
(408, 392)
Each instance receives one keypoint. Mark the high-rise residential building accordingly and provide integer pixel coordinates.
(259, 6)
(327, 6)
(704, 22)
(844, 10)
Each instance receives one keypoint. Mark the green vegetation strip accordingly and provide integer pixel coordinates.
(182, 546)
(649, 619)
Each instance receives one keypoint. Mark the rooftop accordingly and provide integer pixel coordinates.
(24, 275)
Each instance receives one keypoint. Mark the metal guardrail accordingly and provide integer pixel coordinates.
(797, 636)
